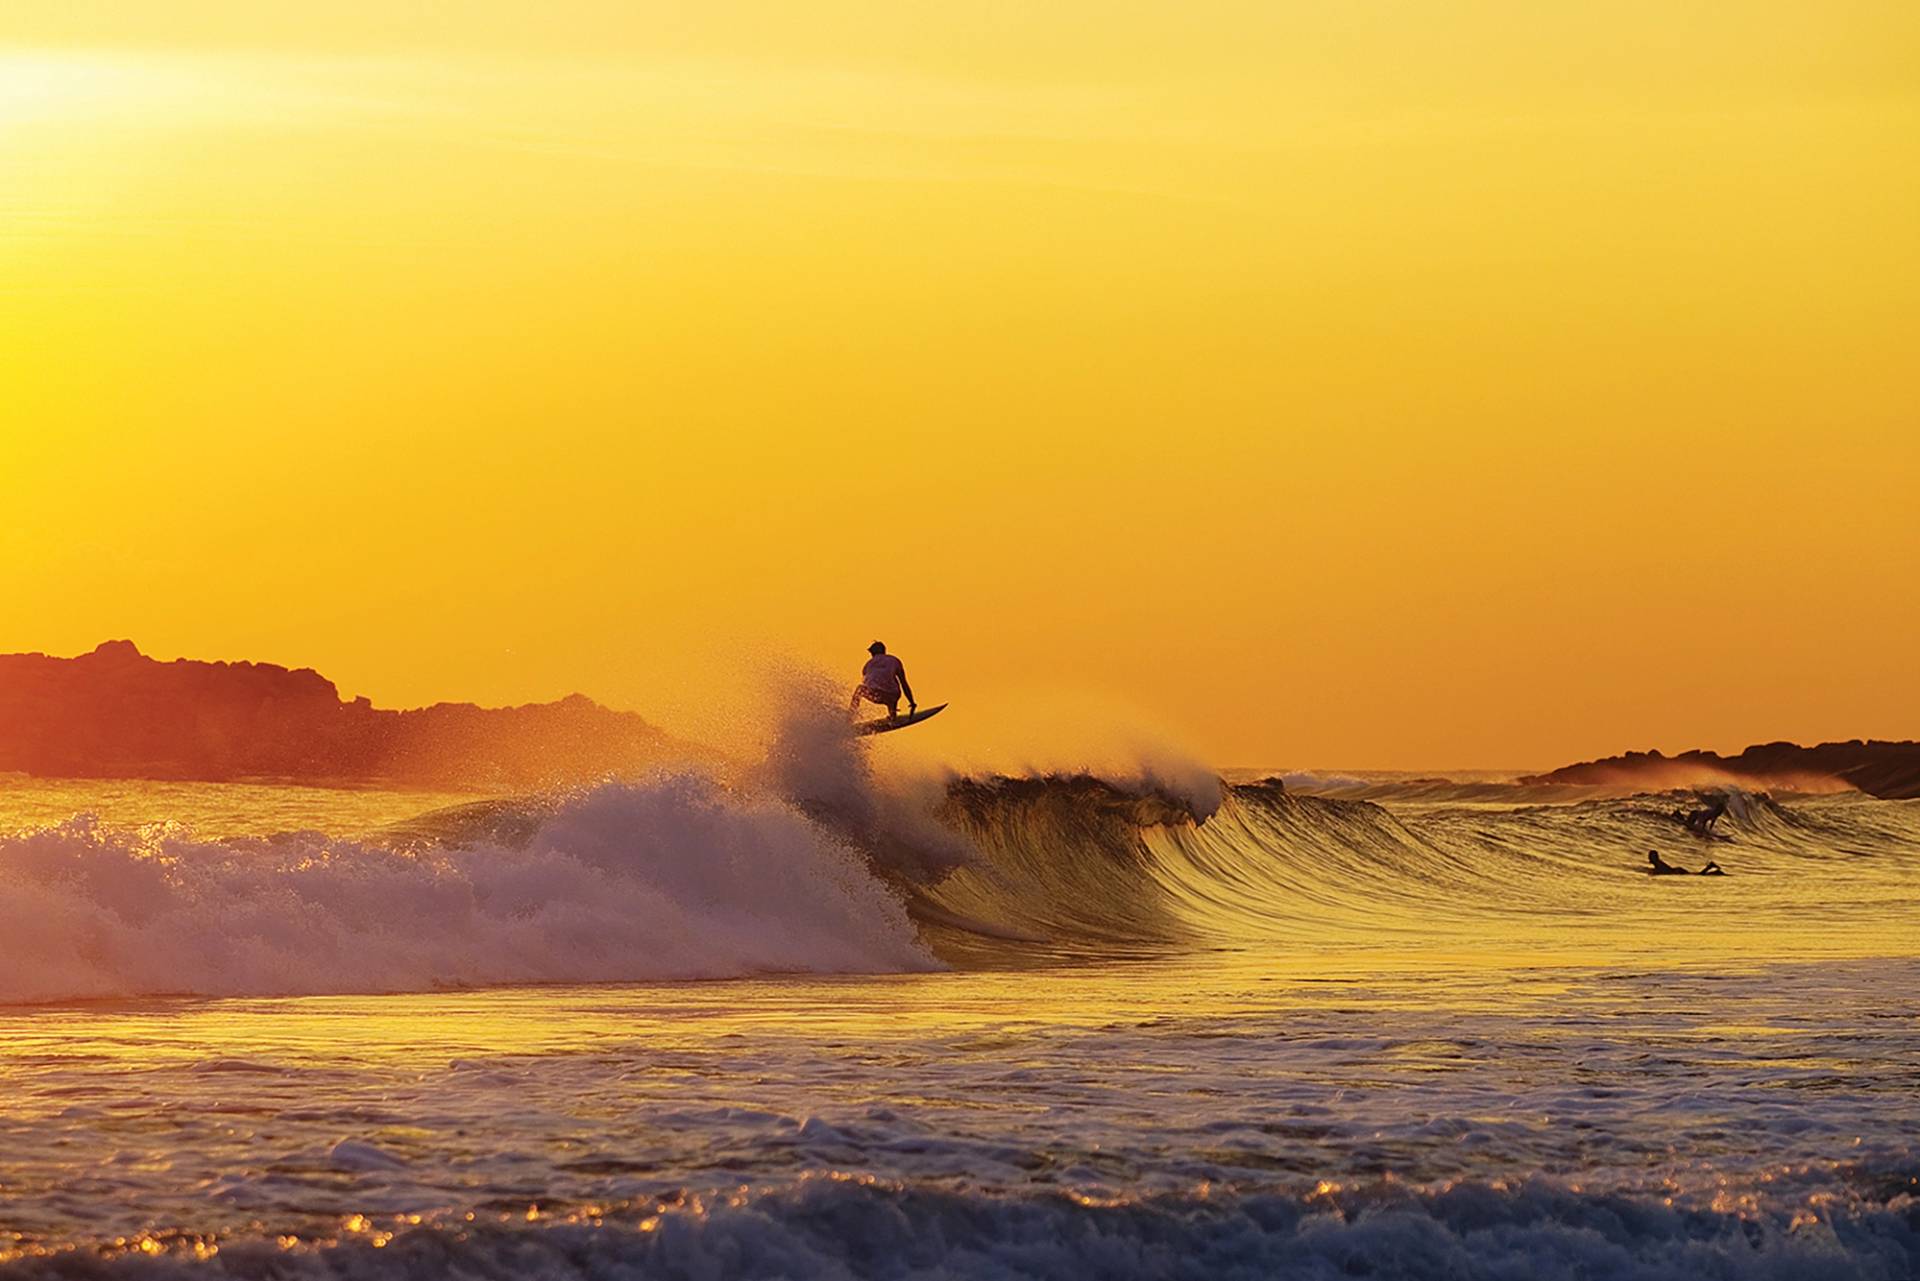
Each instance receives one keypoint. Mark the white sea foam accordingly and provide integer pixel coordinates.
(676, 877)
(842, 1228)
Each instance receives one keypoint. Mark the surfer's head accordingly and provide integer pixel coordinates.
(877, 648)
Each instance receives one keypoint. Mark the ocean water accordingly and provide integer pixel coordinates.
(810, 1021)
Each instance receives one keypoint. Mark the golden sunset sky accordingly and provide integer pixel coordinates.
(1370, 384)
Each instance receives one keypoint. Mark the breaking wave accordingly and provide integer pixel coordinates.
(673, 878)
(809, 865)
(1079, 867)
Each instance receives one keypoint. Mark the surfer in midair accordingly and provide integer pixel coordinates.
(884, 681)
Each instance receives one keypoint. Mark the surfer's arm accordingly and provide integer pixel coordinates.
(906, 688)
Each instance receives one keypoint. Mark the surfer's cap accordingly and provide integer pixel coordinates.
(876, 648)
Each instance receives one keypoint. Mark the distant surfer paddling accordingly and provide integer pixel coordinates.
(1657, 866)
(884, 681)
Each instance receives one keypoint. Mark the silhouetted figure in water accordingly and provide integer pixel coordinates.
(1657, 866)
(1703, 819)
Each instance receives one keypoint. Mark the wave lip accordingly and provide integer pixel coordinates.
(676, 877)
(1075, 868)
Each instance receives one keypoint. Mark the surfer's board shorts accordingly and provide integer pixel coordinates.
(873, 695)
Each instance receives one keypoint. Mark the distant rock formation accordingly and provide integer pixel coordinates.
(115, 713)
(1890, 770)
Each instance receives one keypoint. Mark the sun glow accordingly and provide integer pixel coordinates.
(37, 86)
(65, 90)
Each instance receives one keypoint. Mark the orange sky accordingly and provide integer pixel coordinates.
(1373, 384)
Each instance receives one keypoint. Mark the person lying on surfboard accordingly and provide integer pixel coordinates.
(1660, 867)
(883, 680)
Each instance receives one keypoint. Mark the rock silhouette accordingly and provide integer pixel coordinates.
(1889, 770)
(116, 713)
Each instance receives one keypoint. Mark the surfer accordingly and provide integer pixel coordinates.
(1657, 866)
(1703, 819)
(884, 680)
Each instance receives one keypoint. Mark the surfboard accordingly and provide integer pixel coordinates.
(885, 726)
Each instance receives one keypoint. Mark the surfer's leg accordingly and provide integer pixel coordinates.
(889, 701)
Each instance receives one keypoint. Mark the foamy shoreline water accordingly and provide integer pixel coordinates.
(1161, 1113)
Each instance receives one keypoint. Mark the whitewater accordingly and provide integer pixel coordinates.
(805, 1020)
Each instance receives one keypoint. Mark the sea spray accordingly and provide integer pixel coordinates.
(814, 763)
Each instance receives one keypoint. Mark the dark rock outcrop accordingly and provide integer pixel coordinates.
(115, 713)
(1890, 770)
